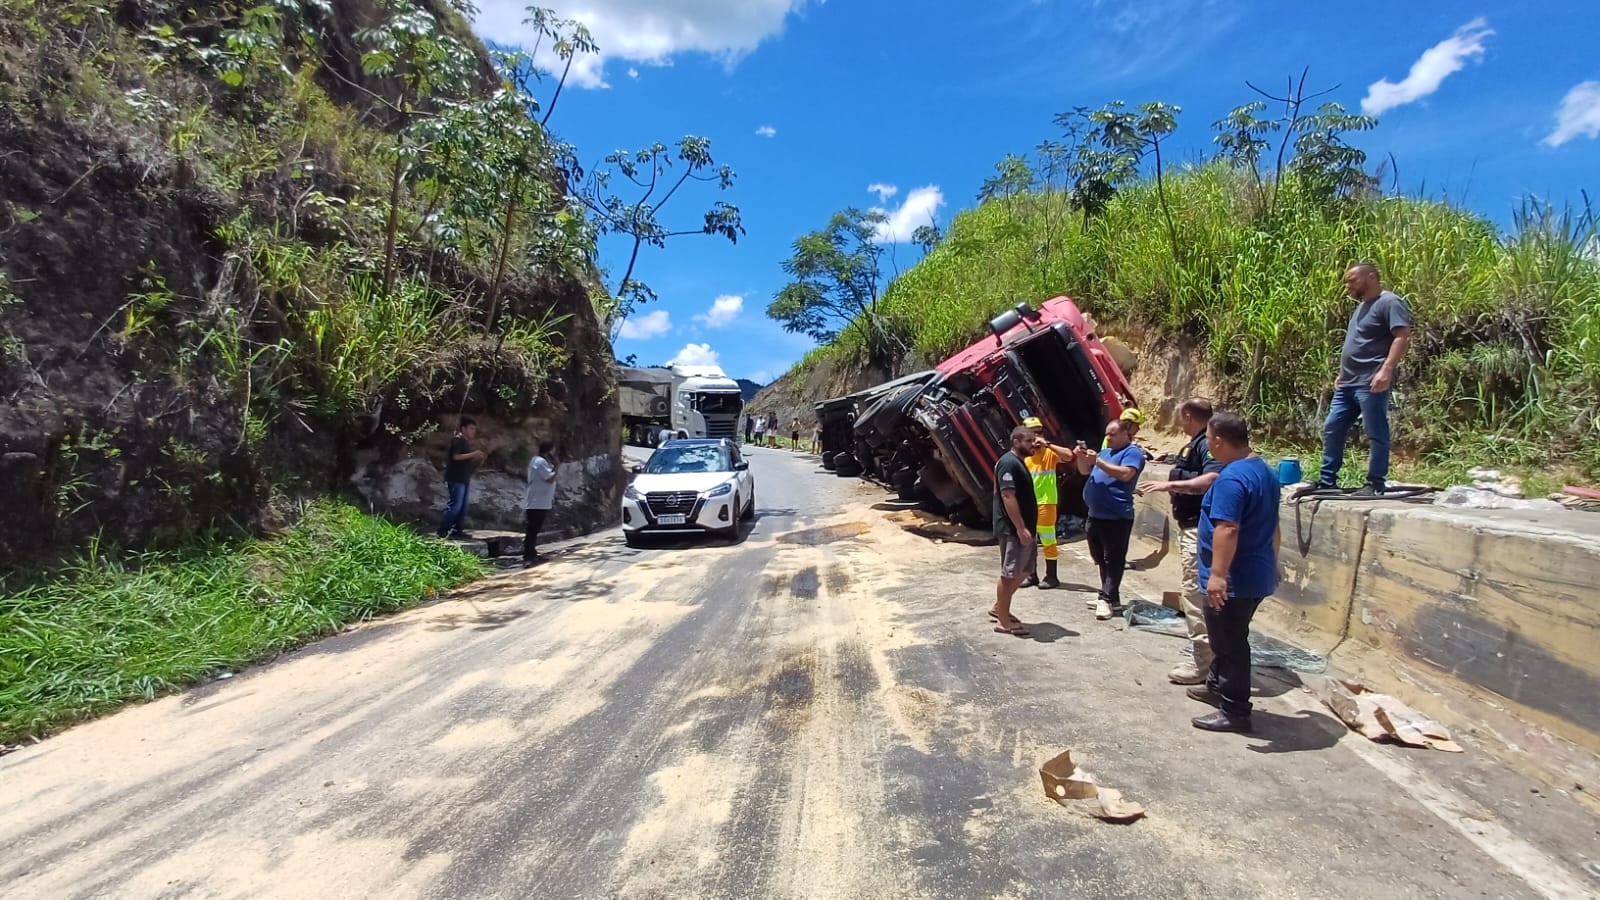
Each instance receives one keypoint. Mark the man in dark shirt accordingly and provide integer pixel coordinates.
(1238, 567)
(1108, 492)
(1016, 516)
(1189, 479)
(459, 463)
(1374, 343)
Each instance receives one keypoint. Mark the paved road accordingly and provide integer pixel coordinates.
(818, 711)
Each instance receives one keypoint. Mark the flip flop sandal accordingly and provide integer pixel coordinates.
(1017, 630)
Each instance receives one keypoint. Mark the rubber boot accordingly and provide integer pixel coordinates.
(1050, 580)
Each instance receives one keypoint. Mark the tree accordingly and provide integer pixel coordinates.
(836, 278)
(1323, 162)
(568, 38)
(1241, 137)
(927, 237)
(429, 64)
(648, 177)
(1012, 176)
(1093, 173)
(1136, 132)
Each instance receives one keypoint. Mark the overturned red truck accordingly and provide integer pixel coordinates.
(935, 436)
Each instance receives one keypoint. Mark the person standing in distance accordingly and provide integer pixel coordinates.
(749, 427)
(1189, 479)
(1016, 515)
(460, 460)
(540, 498)
(1108, 492)
(1239, 539)
(1374, 344)
(794, 435)
(760, 428)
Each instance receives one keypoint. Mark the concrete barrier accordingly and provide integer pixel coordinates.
(1488, 620)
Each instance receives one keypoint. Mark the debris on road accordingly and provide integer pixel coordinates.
(1076, 790)
(1380, 717)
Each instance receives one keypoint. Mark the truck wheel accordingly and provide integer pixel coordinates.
(845, 466)
(905, 484)
(827, 460)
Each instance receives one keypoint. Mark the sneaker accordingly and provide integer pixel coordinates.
(1102, 610)
(1030, 581)
(1091, 603)
(1186, 673)
(1204, 695)
(1367, 492)
(1221, 721)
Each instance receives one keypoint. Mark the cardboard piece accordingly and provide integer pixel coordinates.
(1380, 717)
(1172, 600)
(1076, 790)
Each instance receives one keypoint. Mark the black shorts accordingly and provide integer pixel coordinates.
(794, 436)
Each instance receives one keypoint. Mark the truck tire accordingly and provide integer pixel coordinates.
(905, 484)
(659, 407)
(845, 466)
(827, 460)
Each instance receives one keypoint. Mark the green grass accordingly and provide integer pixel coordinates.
(1506, 361)
(108, 629)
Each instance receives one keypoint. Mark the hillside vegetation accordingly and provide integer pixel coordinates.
(1505, 368)
(240, 241)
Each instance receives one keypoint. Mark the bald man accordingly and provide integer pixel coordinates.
(1374, 344)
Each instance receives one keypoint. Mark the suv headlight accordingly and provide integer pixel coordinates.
(632, 493)
(721, 490)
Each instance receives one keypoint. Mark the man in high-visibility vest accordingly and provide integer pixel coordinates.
(1042, 465)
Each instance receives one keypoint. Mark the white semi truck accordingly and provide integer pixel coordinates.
(687, 401)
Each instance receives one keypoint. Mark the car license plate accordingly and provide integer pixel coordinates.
(673, 520)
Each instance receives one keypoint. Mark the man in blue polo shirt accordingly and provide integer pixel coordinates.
(1108, 492)
(1238, 567)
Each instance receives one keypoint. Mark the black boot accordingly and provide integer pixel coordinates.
(1050, 579)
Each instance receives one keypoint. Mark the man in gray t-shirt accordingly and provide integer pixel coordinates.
(539, 499)
(1374, 343)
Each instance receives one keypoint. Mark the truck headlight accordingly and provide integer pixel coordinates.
(721, 490)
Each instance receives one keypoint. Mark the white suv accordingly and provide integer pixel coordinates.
(692, 486)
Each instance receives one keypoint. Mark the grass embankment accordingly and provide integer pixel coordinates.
(108, 629)
(1505, 370)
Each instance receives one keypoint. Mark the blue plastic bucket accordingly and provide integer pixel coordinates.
(1289, 471)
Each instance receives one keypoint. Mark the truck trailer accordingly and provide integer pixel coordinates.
(684, 401)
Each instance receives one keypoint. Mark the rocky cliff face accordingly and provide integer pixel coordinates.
(179, 291)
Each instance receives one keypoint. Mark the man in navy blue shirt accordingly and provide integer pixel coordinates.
(1108, 492)
(1238, 567)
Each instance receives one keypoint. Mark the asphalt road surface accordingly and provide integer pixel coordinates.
(821, 710)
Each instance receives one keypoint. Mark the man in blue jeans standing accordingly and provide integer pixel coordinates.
(458, 465)
(1374, 343)
(1238, 565)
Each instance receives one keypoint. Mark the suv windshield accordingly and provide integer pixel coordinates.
(692, 458)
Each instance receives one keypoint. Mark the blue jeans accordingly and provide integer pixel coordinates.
(455, 509)
(1350, 403)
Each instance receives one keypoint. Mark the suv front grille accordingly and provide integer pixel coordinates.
(671, 503)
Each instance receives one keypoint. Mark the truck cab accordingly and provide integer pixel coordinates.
(706, 406)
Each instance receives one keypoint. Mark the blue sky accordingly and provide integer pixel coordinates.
(813, 103)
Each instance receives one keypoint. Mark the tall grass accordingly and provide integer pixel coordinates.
(1508, 325)
(110, 628)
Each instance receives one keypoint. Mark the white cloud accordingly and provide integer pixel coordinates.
(1579, 115)
(767, 131)
(633, 73)
(694, 355)
(644, 31)
(884, 191)
(1435, 64)
(650, 325)
(921, 207)
(723, 311)
(763, 377)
